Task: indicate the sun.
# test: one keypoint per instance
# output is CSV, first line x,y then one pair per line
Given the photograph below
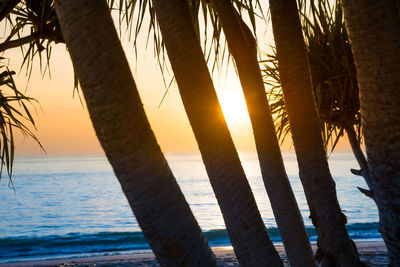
x,y
233,106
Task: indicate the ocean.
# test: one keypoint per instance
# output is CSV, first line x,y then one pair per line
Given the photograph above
x,y
73,206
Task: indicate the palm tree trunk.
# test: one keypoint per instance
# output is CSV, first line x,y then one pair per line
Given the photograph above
x,y
242,46
373,28
242,218
335,248
121,125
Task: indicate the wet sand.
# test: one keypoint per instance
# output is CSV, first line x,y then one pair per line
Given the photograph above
x,y
372,253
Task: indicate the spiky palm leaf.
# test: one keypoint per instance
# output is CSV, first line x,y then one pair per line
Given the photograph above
x,y
33,27
14,115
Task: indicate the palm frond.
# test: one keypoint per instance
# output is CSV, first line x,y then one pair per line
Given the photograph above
x,y
14,115
33,27
133,14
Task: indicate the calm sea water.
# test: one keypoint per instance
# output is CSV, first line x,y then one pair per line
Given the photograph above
x,y
67,206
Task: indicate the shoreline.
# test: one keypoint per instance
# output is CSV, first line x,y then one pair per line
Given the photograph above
x,y
373,253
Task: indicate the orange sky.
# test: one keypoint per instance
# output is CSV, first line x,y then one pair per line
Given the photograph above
x,y
64,126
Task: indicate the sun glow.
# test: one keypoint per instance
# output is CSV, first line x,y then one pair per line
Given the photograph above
x,y
233,106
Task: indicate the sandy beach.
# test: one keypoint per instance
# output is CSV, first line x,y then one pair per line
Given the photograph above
x,y
373,253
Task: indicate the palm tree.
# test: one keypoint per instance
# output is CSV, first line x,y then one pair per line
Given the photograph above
x,y
242,218
121,125
242,46
373,28
335,248
334,81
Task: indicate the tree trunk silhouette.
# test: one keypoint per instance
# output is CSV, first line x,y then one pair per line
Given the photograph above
x,y
335,248
242,218
242,46
373,28
6,6
121,125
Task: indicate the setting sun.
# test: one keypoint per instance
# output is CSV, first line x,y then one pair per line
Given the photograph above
x,y
233,106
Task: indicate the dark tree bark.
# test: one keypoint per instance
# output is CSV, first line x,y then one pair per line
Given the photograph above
x,y
374,31
335,248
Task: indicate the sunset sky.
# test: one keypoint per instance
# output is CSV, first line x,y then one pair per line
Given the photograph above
x,y
63,124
